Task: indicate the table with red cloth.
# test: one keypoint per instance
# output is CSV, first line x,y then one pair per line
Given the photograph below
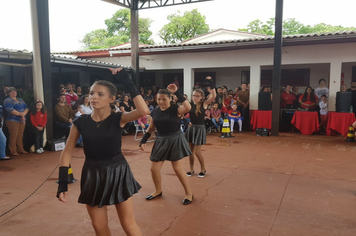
x,y
339,122
307,122
261,119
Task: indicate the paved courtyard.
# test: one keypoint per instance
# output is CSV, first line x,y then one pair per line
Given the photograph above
x,y
255,186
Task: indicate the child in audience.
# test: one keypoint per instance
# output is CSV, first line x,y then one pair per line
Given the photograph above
x,y
235,116
323,104
215,114
38,121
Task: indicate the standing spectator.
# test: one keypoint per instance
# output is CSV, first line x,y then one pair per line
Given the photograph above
x,y
287,97
297,94
216,116
323,104
63,117
243,100
15,119
308,99
38,116
175,81
321,90
219,97
2,137
343,88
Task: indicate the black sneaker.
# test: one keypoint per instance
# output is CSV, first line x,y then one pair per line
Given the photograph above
x,y
190,173
202,174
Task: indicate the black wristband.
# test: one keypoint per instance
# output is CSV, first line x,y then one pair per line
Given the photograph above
x,y
62,180
124,78
145,138
179,96
211,83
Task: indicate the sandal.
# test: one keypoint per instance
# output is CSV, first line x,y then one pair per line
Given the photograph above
x,y
6,158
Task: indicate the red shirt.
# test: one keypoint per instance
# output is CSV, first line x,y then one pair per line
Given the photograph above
x,y
308,101
287,99
39,119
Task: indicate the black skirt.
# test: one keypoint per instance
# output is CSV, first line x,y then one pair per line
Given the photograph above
x,y
107,182
196,134
170,147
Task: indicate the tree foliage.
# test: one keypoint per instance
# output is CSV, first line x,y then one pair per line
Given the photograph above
x,y
291,27
118,31
183,27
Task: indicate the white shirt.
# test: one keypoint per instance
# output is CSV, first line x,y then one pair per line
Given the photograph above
x,y
323,108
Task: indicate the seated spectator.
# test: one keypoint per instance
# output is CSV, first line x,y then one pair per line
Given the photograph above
x,y
150,107
142,91
79,91
287,97
125,106
208,123
15,120
215,115
71,96
343,88
323,104
63,117
308,99
144,122
148,96
117,106
84,108
235,116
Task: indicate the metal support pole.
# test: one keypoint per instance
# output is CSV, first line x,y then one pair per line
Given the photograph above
x,y
135,64
42,62
277,60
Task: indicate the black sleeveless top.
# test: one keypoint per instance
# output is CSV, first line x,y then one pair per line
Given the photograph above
x,y
166,121
103,142
197,119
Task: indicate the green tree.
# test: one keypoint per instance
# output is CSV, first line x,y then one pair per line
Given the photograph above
x,y
291,27
118,32
183,27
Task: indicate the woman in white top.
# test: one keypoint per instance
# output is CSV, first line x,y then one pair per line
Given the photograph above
x,y
85,108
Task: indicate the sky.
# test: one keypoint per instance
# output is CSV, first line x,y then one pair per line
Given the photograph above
x,y
70,20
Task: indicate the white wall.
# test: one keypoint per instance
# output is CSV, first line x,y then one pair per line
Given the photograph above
x,y
228,64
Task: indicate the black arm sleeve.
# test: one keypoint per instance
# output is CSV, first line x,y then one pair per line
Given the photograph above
x,y
179,96
62,180
145,138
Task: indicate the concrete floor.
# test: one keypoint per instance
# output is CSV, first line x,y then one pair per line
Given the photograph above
x,y
288,185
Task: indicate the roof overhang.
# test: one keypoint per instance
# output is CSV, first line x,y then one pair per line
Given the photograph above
x,y
24,59
256,42
147,4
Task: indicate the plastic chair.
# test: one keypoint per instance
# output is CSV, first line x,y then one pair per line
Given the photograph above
x,y
139,129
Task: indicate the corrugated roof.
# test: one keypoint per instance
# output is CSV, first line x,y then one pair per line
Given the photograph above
x,y
241,42
14,54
